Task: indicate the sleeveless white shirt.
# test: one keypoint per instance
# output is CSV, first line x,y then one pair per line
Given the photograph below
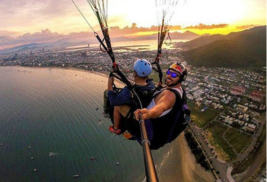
x,y
153,104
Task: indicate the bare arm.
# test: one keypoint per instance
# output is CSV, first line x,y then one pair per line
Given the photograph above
x,y
164,102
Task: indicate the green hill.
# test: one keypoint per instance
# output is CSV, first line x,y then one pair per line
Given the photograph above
x,y
240,49
200,41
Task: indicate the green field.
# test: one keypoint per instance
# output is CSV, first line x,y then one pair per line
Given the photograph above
x,y
258,148
237,139
217,130
201,118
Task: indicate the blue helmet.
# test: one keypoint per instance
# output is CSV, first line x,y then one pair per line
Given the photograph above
x,y
142,67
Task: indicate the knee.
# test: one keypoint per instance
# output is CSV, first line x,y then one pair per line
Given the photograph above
x,y
116,108
123,110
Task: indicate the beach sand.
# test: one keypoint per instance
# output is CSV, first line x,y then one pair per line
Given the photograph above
x,y
180,165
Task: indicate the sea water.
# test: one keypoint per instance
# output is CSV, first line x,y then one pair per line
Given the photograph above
x,y
52,128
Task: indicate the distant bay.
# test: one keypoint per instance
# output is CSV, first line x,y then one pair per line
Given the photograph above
x,y
137,45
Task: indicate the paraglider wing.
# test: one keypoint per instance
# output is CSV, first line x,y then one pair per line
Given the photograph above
x,y
165,11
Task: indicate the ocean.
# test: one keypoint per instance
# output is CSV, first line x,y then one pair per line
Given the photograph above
x,y
52,127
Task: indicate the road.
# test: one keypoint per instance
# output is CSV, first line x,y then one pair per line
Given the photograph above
x,y
223,167
261,158
219,165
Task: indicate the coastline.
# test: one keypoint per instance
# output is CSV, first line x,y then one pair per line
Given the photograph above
x,y
181,165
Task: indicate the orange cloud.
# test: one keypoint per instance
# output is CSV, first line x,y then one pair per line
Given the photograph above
x,y
134,30
245,26
202,26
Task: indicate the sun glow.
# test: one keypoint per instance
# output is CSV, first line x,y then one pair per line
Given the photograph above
x,y
192,13
64,18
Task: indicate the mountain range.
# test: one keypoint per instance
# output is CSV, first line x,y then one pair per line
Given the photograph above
x,y
49,40
240,49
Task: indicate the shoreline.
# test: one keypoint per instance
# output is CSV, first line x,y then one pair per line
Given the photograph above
x,y
181,165
106,75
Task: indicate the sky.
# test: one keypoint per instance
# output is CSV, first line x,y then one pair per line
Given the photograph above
x,y
28,17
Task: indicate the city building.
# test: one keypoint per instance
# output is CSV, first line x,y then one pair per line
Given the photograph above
x,y
237,90
241,108
256,95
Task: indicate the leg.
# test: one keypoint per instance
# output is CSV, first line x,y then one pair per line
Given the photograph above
x,y
123,110
119,111
116,117
115,128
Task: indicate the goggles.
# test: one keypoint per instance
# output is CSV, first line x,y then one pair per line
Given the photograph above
x,y
173,74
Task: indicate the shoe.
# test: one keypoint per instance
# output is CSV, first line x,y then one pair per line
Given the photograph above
x,y
128,136
112,130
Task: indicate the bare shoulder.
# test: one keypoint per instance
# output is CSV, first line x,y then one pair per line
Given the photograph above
x,y
166,95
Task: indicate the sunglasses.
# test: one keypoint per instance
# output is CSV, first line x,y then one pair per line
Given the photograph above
x,y
173,75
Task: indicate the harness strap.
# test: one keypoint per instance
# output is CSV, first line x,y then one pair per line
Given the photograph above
x,y
183,100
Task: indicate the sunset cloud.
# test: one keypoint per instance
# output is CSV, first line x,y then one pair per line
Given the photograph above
x,y
245,27
135,30
132,32
9,33
38,37
47,36
30,16
202,26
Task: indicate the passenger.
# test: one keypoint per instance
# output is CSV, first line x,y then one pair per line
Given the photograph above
x,y
163,123
123,101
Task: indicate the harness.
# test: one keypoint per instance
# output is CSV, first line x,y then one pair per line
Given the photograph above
x,y
140,99
165,129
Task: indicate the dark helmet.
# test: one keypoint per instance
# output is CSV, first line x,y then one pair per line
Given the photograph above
x,y
181,69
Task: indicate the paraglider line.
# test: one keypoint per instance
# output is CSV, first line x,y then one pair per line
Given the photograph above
x,y
83,16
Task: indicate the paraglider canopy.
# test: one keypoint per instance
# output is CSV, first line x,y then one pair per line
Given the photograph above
x,y
165,10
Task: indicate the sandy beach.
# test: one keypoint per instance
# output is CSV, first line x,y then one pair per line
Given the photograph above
x,y
181,165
